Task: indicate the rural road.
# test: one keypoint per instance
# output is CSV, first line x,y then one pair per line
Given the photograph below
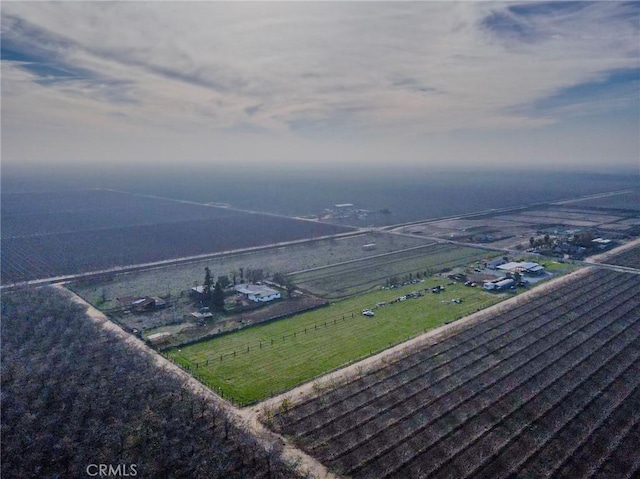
x,y
356,232
303,391
508,209
267,438
335,377
169,262
250,416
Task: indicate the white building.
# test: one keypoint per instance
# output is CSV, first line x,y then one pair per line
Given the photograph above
x,y
522,267
257,292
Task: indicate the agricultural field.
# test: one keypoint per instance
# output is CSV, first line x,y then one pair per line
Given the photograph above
x,y
629,258
512,229
75,392
343,280
172,280
549,387
52,234
32,214
629,200
257,362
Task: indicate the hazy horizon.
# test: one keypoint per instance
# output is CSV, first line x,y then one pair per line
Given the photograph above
x,y
409,194
297,88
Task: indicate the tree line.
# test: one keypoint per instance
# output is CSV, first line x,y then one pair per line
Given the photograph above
x,y
213,292
74,395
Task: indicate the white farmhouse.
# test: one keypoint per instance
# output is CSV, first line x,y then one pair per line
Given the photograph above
x,y
257,292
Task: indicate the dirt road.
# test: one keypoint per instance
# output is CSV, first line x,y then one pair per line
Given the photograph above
x,y
342,375
250,416
602,258
305,463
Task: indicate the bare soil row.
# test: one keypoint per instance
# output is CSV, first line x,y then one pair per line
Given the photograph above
x,y
524,389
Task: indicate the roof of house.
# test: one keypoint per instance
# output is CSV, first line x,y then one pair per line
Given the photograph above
x,y
522,265
256,289
126,299
158,337
497,261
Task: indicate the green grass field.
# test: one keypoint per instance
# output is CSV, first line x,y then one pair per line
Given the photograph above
x,y
328,343
556,266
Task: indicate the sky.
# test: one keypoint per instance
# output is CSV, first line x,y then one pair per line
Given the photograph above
x,y
304,85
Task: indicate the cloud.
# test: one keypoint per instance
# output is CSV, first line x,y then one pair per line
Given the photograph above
x,y
316,70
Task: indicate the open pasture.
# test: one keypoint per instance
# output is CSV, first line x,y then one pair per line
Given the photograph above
x,y
54,234
344,280
548,388
267,359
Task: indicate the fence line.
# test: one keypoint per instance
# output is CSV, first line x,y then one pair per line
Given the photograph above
x,y
271,341
209,336
216,390
229,397
283,337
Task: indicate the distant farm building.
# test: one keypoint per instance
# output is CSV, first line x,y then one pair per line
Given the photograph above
x,y
125,301
495,263
159,338
522,267
602,243
158,302
146,303
499,285
197,292
201,316
257,292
